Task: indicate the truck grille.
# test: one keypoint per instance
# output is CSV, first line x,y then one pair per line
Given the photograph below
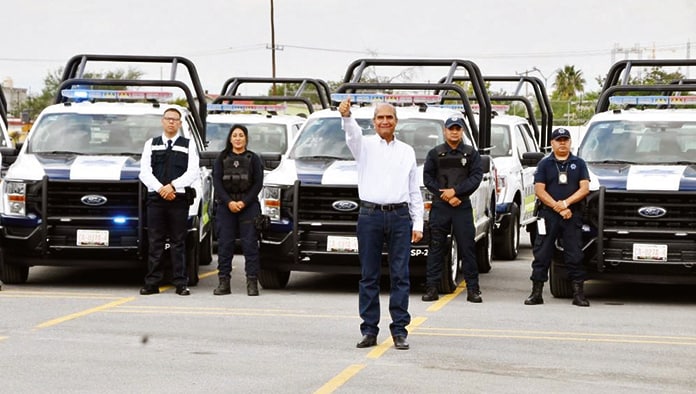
x,y
316,203
621,210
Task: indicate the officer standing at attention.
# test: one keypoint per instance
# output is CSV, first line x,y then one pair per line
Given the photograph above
x,y
452,171
238,179
169,164
391,212
561,182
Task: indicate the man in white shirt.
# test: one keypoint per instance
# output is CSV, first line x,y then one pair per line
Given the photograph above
x,y
168,165
391,212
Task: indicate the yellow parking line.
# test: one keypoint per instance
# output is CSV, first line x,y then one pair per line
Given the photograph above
x,y
444,300
338,380
86,312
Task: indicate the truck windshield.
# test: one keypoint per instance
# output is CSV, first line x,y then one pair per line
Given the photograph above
x,y
263,137
639,142
93,134
325,138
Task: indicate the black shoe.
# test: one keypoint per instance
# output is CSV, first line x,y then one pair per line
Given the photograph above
x,y
223,288
474,296
182,290
367,341
148,289
252,287
400,342
430,294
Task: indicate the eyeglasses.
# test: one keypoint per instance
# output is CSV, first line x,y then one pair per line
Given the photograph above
x,y
173,120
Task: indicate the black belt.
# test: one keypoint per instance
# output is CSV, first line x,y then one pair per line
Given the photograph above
x,y
383,207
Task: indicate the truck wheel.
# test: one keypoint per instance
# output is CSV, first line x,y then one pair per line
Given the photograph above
x,y
450,269
484,250
560,285
192,260
508,246
11,273
207,250
273,279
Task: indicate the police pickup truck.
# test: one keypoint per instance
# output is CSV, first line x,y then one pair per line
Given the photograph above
x,y
273,121
312,197
640,148
73,196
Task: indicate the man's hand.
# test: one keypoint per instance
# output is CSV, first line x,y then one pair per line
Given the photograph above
x,y
455,202
167,192
566,214
416,236
446,194
344,107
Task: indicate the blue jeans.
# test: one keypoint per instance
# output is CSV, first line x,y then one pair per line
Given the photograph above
x,y
375,227
460,220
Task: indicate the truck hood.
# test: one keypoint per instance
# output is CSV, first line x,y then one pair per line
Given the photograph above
x,y
648,177
318,172
34,167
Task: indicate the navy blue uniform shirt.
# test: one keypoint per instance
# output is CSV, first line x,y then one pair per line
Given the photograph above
x,y
548,171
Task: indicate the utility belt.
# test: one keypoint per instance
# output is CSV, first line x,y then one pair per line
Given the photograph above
x,y
383,207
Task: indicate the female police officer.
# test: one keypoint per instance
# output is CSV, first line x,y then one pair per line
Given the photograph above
x,y
238,179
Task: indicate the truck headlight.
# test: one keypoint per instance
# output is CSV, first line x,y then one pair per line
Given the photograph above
x,y
15,198
270,202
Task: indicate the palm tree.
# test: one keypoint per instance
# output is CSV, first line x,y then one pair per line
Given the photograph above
x,y
568,82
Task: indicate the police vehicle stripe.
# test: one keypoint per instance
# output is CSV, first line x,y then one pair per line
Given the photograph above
x,y
654,177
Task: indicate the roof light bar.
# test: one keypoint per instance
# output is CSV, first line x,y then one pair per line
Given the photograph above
x,y
387,98
247,107
88,94
653,100
475,107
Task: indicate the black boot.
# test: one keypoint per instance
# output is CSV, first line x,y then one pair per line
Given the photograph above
x,y
430,294
473,295
579,294
252,287
535,298
223,288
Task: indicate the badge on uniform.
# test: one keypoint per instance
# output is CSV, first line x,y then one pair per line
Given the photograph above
x,y
562,178
463,161
235,163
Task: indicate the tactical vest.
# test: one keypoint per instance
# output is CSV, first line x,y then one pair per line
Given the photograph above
x,y
168,165
452,165
237,174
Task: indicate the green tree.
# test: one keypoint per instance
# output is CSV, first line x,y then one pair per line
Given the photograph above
x,y
34,105
569,82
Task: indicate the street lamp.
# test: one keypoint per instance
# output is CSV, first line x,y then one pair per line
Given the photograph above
x,y
546,80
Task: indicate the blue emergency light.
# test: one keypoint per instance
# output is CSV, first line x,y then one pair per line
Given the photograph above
x,y
653,100
387,98
97,94
247,107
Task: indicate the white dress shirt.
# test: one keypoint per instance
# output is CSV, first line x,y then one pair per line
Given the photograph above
x,y
186,179
387,172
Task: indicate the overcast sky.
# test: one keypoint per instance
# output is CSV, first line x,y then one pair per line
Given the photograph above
x,y
319,38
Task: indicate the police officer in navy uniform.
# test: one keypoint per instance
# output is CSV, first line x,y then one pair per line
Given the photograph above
x,y
561,182
452,171
169,165
238,179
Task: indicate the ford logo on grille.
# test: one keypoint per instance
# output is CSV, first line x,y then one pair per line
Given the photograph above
x,y
652,212
93,200
345,205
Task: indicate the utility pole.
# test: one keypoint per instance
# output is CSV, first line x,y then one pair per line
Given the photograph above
x,y
273,48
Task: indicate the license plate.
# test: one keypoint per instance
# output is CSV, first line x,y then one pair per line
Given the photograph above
x,y
92,237
336,243
649,252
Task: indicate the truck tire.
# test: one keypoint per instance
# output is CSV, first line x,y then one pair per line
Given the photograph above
x,y
484,250
11,273
560,285
450,268
273,279
508,244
